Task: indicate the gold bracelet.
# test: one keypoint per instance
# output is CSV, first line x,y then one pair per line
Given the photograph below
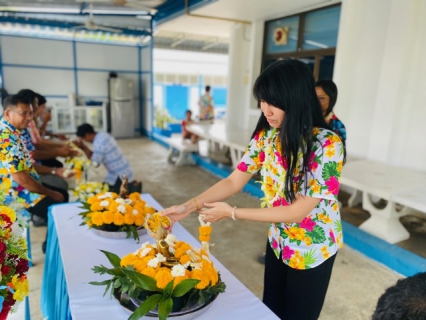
x,y
197,207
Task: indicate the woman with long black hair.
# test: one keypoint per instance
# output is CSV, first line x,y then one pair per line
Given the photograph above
x,y
300,162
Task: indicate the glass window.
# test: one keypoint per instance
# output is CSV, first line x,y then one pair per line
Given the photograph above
x,y
326,67
321,29
309,61
282,35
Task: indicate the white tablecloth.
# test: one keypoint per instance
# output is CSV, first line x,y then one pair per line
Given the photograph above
x,y
80,252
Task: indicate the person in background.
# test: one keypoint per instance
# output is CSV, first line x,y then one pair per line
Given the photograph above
x,y
45,151
406,300
44,116
206,105
106,152
17,172
185,133
327,94
300,162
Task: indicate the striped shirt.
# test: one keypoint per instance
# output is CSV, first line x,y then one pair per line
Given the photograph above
x,y
107,152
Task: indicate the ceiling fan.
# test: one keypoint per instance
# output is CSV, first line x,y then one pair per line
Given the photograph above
x,y
91,25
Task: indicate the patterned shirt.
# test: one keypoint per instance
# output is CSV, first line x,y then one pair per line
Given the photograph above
x,y
206,107
15,158
336,125
107,152
307,244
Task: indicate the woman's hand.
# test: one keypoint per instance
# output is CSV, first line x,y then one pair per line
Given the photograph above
x,y
176,213
216,211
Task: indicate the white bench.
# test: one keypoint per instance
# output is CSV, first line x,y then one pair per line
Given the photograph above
x,y
394,184
180,151
220,139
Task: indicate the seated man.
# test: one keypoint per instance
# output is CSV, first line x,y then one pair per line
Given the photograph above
x,y
107,152
406,300
17,172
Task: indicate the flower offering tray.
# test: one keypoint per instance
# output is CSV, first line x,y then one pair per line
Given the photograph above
x,y
116,234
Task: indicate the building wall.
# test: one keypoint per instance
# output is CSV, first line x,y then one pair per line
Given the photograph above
x,y
380,71
57,68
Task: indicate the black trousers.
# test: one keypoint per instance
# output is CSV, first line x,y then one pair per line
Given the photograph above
x,y
40,209
295,294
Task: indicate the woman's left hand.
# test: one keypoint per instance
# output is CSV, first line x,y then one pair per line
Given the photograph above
x,y
216,211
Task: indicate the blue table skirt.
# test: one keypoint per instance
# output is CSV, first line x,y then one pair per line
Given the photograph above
x,y
54,293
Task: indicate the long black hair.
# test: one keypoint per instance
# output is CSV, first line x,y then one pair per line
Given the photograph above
x,y
330,89
289,85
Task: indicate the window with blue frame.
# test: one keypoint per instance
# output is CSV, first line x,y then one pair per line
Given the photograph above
x,y
310,37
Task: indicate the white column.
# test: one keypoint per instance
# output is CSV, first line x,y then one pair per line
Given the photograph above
x,y
238,76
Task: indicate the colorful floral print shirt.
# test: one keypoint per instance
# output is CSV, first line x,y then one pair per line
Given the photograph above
x,y
14,158
309,243
336,125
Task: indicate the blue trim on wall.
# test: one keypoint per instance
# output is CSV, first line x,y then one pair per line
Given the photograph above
x,y
69,40
1,65
74,56
32,66
140,89
151,46
392,256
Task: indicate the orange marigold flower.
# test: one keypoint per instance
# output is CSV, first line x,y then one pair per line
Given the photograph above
x,y
150,272
113,206
204,238
97,219
139,206
200,275
135,197
139,220
129,219
95,207
107,217
184,259
163,277
181,250
92,200
118,219
205,230
149,209
127,260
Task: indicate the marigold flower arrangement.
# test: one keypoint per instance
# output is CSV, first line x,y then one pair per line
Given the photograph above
x,y
108,211
13,255
83,191
78,165
165,277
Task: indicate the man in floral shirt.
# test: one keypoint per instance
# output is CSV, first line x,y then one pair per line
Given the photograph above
x,y
17,173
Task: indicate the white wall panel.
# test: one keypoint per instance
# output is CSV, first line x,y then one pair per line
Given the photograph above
x,y
44,81
39,52
93,83
107,57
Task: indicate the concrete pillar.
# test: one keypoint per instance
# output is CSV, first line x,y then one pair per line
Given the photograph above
x,y
380,71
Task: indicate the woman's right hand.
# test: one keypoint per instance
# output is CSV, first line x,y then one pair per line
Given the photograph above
x,y
176,213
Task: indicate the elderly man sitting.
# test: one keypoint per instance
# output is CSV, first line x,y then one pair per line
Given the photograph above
x,y
17,172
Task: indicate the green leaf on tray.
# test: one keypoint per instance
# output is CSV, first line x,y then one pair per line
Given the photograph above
x,y
164,308
148,305
141,280
184,286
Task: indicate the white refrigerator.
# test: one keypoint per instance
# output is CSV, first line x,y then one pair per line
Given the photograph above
x,y
122,108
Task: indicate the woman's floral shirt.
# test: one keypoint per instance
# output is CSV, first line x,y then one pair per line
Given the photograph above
x,y
14,157
309,243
